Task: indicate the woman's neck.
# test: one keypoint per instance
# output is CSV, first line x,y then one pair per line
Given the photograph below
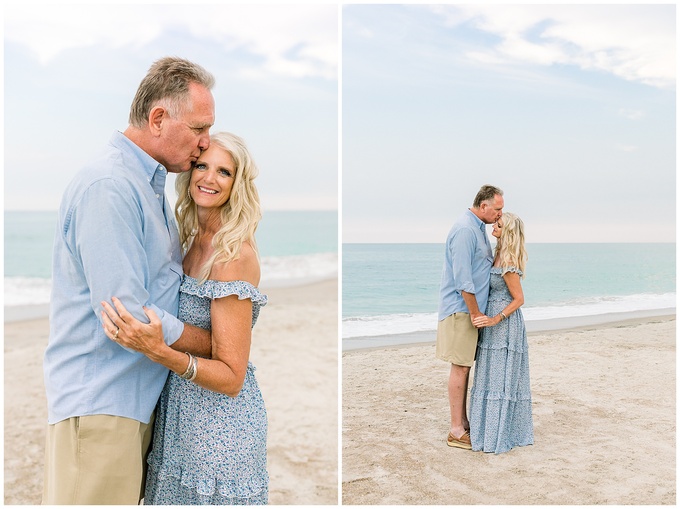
x,y
209,222
497,254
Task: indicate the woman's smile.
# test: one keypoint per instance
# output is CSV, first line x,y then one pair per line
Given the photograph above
x,y
213,177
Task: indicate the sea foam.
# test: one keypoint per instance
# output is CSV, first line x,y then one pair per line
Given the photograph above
x,y
385,325
276,271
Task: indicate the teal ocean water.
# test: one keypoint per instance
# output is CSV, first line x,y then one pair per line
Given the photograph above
x,y
394,288
295,246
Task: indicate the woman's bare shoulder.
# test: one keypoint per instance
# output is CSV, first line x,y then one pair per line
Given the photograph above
x,y
245,268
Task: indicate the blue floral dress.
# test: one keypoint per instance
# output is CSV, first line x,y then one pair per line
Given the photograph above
x,y
500,400
209,448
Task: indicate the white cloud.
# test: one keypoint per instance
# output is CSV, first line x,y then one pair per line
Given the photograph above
x,y
296,41
634,42
51,29
517,48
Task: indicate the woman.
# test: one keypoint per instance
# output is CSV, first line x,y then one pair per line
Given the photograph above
x,y
209,444
500,400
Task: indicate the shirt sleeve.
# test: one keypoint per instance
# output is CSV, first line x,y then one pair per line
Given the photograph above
x,y
104,232
462,246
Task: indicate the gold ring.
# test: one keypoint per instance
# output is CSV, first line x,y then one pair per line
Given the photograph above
x,y
115,336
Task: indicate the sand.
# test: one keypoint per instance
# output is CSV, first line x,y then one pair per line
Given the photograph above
x,y
604,424
295,350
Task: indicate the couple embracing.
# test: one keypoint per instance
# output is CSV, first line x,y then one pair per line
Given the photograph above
x,y
480,323
151,316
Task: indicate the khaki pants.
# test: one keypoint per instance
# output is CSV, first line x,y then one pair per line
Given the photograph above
x,y
96,459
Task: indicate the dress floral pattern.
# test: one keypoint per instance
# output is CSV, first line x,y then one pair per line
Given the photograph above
x,y
500,399
209,448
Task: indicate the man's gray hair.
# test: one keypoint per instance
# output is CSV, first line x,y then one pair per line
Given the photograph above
x,y
486,193
167,84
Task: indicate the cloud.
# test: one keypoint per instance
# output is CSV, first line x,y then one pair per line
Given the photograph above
x,y
52,29
633,42
295,41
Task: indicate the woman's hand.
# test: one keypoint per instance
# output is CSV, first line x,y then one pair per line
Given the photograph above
x,y
485,321
123,328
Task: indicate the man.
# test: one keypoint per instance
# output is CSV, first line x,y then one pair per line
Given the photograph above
x,y
463,295
116,236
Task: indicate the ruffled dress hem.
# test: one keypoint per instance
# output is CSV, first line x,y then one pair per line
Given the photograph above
x,y
234,491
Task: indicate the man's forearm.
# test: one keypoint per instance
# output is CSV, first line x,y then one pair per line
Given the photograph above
x,y
471,303
194,340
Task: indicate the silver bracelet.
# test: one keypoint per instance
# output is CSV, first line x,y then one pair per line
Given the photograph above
x,y
194,366
191,368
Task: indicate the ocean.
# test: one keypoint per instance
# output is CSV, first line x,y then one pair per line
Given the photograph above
x,y
392,289
295,247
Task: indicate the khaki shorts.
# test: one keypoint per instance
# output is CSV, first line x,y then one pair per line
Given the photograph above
x,y
457,340
96,459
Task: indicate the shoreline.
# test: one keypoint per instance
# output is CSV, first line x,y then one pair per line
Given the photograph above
x,y
25,312
533,327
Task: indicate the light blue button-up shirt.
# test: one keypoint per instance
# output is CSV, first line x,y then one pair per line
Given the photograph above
x,y
116,236
467,266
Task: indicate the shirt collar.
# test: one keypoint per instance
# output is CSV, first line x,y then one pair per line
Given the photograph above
x,y
480,224
152,168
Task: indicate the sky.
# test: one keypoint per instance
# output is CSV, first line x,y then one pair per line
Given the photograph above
x,y
570,110
71,71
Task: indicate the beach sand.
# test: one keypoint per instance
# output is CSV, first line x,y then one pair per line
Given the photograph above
x,y
604,424
295,351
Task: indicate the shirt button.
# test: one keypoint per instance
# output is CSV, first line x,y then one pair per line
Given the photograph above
x,y
158,196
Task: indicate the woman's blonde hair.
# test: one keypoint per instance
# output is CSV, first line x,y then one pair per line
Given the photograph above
x,y
510,247
239,215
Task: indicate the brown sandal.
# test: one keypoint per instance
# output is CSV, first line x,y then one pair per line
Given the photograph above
x,y
463,442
